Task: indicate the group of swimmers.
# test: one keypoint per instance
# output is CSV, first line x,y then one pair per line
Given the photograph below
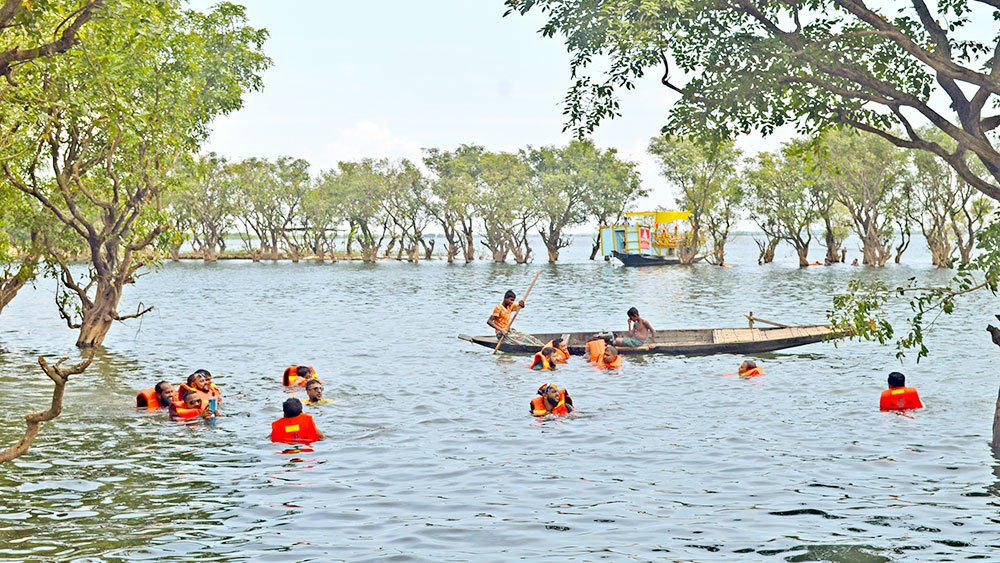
x,y
603,353
200,398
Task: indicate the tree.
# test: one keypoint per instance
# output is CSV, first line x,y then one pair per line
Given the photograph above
x,y
706,176
503,204
292,184
781,190
406,194
257,206
866,173
453,196
206,196
567,180
31,30
360,188
760,65
112,119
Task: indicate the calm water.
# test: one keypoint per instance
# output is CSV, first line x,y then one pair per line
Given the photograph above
x,y
433,456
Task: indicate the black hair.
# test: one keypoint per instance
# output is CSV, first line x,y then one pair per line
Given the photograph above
x,y
303,371
633,312
192,377
292,407
548,351
750,364
896,379
556,341
510,293
311,382
186,393
204,372
611,348
159,386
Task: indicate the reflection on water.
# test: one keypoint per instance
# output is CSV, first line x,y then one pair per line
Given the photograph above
x,y
432,452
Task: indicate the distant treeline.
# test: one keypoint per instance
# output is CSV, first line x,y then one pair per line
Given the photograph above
x,y
384,208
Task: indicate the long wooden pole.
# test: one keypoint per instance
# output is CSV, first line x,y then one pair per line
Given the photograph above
x,y
525,298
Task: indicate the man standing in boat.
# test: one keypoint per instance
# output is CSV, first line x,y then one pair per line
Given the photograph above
x,y
500,321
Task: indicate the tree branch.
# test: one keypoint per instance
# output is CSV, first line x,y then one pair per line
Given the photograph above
x,y
59,376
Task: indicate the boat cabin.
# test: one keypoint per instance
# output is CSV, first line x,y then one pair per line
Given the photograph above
x,y
656,234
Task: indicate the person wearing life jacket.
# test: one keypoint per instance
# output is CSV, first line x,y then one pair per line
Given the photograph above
x,y
314,389
295,427
610,359
196,384
191,406
562,349
749,369
595,349
899,397
544,359
209,386
157,397
551,400
298,376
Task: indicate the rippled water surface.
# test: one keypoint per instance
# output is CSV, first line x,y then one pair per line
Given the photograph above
x,y
432,454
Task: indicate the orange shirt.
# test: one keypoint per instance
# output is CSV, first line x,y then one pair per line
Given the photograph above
x,y
502,315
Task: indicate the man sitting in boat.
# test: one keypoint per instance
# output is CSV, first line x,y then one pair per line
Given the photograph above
x,y
551,400
898,396
640,332
562,350
500,321
749,369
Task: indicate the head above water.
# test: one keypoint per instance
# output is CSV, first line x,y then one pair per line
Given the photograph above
x,y
192,400
314,389
206,374
304,371
164,392
558,342
896,379
747,365
633,313
292,407
610,353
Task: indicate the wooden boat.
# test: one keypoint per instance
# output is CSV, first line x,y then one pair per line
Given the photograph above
x,y
651,238
688,342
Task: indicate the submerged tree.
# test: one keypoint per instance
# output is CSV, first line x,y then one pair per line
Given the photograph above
x,y
706,177
503,204
781,190
453,196
206,195
106,128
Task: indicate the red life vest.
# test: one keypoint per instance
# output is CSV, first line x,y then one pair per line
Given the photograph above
x,y
147,399
561,357
540,408
899,398
540,359
617,363
595,348
291,377
752,372
180,411
296,430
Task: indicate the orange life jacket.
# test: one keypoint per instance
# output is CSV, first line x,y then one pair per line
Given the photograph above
x,y
214,391
617,363
540,408
561,357
754,371
296,430
542,360
595,349
147,399
184,388
899,398
290,377
180,411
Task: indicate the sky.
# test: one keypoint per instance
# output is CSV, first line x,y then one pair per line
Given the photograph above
x,y
386,78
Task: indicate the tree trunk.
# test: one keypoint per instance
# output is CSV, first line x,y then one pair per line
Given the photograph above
x,y
766,248
175,252
596,247
803,254
553,253
470,247
208,253
97,318
904,243
10,286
